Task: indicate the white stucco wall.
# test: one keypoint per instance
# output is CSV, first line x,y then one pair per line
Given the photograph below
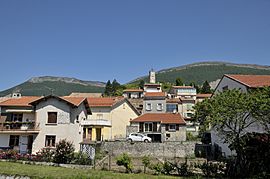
x,y
66,128
231,85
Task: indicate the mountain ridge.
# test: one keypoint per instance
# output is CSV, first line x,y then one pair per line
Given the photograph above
x,y
208,64
195,72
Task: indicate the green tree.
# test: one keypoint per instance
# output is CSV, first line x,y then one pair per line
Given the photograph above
x,y
261,107
179,82
64,151
141,84
108,89
229,114
198,89
206,87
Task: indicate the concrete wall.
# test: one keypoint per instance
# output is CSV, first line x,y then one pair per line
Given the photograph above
x,y
67,126
177,135
140,149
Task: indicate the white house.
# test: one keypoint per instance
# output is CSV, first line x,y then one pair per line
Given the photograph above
x,y
29,124
243,83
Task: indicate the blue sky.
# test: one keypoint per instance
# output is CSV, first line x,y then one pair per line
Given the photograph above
x,y
101,40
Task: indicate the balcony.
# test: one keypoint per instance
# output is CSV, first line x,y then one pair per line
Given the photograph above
x,y
96,122
18,127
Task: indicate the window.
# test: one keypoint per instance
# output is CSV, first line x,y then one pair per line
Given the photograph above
x,y
172,107
140,127
50,141
148,107
172,127
148,127
99,116
52,117
225,88
159,107
14,140
17,117
189,115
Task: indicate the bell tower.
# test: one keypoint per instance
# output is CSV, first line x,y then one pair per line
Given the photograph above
x,y
152,76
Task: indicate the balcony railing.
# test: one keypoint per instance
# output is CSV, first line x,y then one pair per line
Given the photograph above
x,y
96,122
18,126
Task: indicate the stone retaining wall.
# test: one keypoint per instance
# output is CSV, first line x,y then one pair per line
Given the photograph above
x,y
140,149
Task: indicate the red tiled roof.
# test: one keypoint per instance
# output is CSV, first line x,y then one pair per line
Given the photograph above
x,y
173,100
164,118
21,101
133,90
74,100
154,94
207,95
104,102
185,87
252,81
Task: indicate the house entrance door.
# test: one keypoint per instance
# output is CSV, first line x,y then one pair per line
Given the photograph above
x,y
23,144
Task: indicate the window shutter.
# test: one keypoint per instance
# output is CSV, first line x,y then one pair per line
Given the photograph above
x,y
167,127
177,127
140,127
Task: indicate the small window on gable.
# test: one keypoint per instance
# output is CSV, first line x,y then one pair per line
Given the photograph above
x,y
52,117
225,88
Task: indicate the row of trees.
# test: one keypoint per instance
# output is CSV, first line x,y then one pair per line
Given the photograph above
x,y
116,89
231,114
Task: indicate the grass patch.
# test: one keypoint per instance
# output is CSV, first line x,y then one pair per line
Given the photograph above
x,y
40,171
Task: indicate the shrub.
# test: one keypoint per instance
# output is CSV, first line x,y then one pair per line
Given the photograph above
x,y
81,159
45,155
146,162
211,169
64,152
191,137
125,160
167,168
158,168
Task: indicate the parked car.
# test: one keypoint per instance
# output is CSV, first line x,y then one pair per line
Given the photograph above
x,y
137,137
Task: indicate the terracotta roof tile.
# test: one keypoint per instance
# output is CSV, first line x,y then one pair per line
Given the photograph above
x,y
133,90
104,102
164,118
21,101
154,94
252,81
173,100
74,100
207,95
